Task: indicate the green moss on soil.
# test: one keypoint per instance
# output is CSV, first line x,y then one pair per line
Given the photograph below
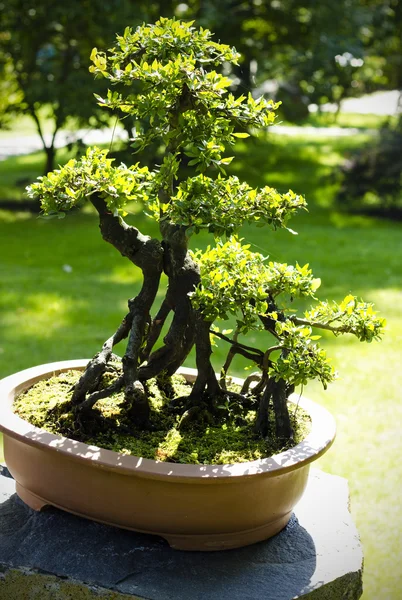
x,y
231,440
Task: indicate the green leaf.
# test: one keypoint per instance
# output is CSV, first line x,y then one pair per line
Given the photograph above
x,y
93,54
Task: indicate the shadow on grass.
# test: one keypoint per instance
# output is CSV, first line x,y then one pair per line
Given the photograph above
x,y
64,291
304,164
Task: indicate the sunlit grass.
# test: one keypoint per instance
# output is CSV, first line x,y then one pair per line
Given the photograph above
x,y
16,172
25,126
64,291
355,120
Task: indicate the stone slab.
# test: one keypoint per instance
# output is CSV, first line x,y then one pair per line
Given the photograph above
x,y
53,555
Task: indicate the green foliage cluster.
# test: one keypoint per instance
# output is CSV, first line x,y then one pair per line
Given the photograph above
x,y
301,359
237,281
349,316
180,98
242,283
68,186
223,205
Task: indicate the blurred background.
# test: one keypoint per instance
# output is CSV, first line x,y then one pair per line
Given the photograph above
x,y
337,69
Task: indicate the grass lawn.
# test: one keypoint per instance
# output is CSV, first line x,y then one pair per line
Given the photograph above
x,y
24,125
17,172
64,291
357,120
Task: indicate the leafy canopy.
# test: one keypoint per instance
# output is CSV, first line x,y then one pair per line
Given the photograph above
x,y
76,181
168,68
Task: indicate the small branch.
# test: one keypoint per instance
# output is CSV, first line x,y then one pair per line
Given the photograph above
x,y
319,325
237,344
259,388
249,380
156,328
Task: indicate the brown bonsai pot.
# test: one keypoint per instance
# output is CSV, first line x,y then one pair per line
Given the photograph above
x,y
194,507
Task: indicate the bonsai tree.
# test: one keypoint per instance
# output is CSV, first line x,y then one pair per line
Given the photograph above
x,y
165,76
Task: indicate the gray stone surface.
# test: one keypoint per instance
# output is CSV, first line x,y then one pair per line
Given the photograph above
x,y
317,556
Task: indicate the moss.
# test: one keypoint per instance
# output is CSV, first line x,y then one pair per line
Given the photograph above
x,y
26,584
230,439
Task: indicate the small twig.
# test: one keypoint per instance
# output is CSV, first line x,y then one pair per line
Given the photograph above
x,y
235,343
319,325
114,130
248,381
298,402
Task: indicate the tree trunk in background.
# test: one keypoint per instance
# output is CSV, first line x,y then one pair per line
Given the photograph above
x,y
50,157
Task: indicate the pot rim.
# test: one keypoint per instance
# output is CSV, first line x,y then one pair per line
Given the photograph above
x,y
317,442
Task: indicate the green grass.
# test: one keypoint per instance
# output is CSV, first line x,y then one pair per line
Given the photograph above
x,y
24,125
48,313
328,119
16,172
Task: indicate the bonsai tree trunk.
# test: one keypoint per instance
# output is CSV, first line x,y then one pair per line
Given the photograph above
x,y
280,395
188,327
147,254
275,393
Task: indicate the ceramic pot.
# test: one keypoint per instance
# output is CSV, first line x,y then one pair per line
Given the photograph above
x,y
194,507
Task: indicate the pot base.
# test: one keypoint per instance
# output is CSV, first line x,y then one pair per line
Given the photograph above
x,y
30,499
227,541
197,542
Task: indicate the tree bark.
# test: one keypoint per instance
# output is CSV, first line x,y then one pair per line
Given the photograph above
x,y
147,254
183,276
282,420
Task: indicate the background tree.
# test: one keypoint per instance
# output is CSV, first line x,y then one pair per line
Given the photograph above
x,y
314,54
294,42
382,39
44,50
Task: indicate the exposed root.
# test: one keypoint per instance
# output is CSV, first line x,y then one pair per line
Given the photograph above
x,y
102,361
189,416
111,389
248,381
138,405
